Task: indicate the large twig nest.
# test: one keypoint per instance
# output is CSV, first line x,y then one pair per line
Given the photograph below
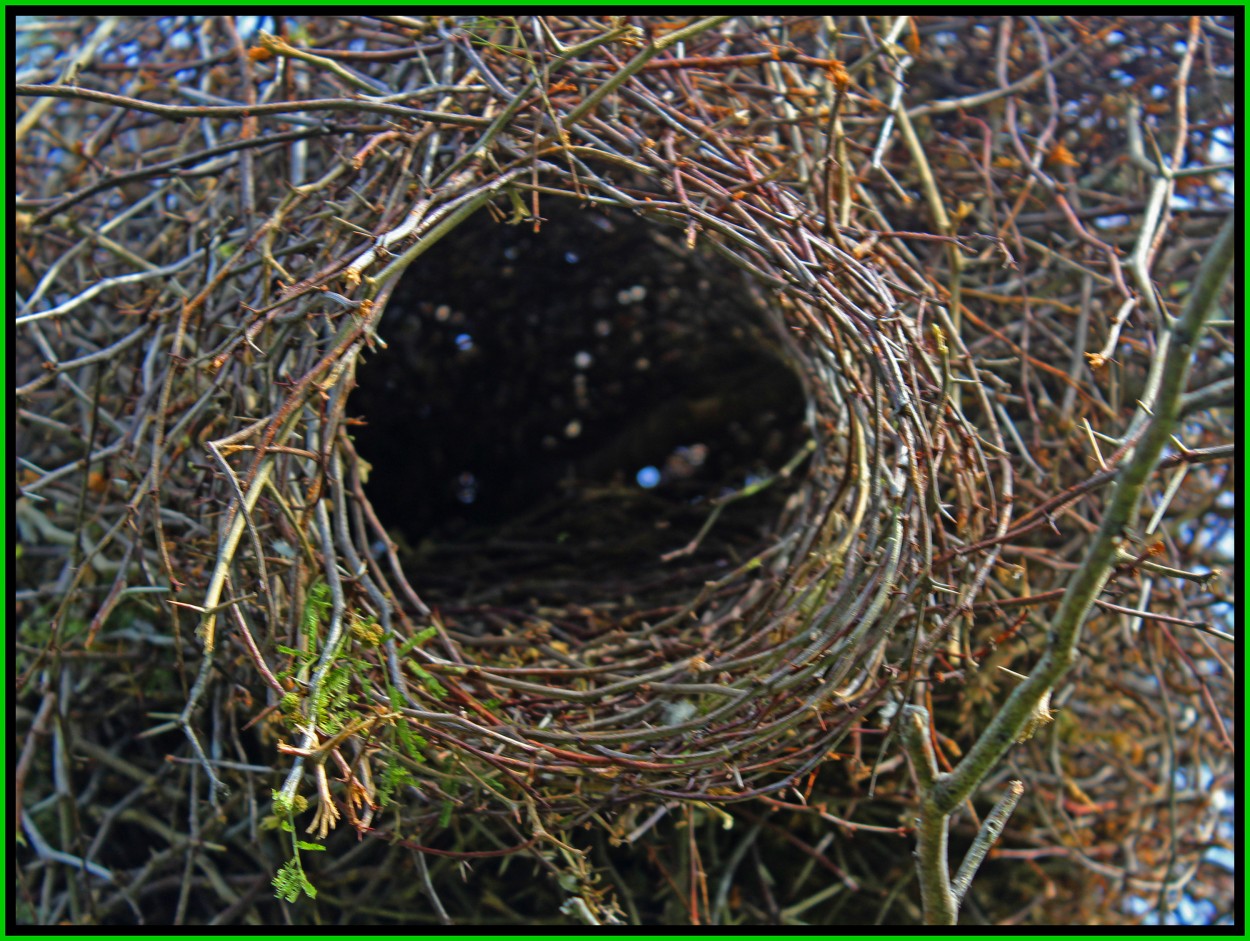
x,y
735,685
200,298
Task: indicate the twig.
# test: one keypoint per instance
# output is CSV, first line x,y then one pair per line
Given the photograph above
x,y
944,795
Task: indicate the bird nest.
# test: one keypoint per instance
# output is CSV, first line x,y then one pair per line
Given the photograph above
x,y
286,219
245,489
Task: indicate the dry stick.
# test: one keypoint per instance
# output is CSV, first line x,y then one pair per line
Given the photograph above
x,y
187,163
750,490
70,73
183,112
1039,514
942,793
329,655
986,837
630,68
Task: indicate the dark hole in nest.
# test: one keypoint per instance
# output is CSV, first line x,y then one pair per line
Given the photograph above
x,y
555,410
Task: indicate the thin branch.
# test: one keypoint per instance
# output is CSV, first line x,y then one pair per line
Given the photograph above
x,y
1102,554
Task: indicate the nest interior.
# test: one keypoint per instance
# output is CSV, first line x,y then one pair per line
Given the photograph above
x,y
574,400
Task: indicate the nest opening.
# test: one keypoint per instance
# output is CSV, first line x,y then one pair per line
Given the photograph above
x,y
564,404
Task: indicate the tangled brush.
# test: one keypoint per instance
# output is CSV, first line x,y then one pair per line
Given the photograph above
x,y
219,237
